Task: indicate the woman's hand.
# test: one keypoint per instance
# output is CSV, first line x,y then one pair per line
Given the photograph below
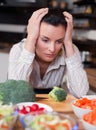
x,y
33,28
68,36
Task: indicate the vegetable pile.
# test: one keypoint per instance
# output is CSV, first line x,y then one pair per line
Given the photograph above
x,y
6,110
86,103
49,122
58,94
29,109
7,118
90,117
16,91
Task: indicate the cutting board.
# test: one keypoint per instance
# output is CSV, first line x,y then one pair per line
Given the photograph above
x,y
63,106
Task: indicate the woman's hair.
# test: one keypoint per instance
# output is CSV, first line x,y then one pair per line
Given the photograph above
x,y
55,18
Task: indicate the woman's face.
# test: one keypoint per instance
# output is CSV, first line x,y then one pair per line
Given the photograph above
x,y
50,41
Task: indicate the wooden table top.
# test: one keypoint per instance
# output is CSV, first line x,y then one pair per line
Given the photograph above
x,y
91,71
61,107
91,74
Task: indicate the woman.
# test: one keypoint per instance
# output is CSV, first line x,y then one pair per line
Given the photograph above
x,y
47,54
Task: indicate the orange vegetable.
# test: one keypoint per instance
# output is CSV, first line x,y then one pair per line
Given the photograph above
x,y
86,103
50,126
90,117
4,127
64,125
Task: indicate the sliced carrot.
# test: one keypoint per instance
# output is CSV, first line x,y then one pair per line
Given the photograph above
x,y
65,125
86,103
4,127
51,126
90,117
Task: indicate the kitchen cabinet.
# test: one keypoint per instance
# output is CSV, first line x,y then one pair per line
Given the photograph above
x,y
84,14
14,18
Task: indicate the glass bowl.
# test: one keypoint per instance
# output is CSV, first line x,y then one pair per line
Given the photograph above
x,y
7,122
49,121
8,116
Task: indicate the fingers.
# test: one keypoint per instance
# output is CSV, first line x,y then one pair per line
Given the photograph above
x,y
40,11
68,17
34,24
69,29
39,14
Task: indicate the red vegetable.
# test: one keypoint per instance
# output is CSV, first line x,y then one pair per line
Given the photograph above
x,y
29,109
41,109
35,107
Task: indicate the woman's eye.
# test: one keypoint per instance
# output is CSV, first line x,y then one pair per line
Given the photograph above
x,y
59,42
45,40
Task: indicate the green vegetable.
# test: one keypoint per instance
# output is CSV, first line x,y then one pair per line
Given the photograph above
x,y
40,122
6,110
58,94
16,91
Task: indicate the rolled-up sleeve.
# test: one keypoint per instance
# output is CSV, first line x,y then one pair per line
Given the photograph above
x,y
77,81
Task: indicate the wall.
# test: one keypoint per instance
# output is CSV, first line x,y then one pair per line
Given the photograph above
x,y
3,66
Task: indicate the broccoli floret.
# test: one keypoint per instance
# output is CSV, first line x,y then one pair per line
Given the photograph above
x,y
58,94
16,91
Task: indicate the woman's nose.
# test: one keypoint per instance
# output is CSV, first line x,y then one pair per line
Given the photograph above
x,y
52,47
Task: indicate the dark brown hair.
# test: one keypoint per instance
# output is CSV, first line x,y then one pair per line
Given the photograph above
x,y
55,17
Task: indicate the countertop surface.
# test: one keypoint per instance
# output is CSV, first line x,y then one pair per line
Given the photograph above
x,y
61,107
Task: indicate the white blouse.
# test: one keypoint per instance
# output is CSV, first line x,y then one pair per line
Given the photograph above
x,y
23,66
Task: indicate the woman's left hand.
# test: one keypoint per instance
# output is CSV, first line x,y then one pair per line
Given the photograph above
x,y
68,35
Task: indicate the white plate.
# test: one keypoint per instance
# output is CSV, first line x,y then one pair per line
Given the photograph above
x,y
47,108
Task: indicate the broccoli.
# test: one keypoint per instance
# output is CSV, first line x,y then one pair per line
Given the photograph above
x,y
58,94
16,91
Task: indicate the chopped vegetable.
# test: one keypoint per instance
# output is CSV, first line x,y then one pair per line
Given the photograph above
x,y
49,122
86,103
34,108
58,94
6,110
7,117
90,117
16,91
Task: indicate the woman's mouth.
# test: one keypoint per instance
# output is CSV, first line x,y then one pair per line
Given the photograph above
x,y
50,55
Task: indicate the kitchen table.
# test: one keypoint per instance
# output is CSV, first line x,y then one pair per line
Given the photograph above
x,y
61,107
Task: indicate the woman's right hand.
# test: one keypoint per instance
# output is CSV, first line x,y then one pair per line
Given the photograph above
x,y
33,28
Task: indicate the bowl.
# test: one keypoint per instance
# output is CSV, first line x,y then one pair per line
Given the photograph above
x,y
84,105
8,116
49,121
89,120
29,107
79,112
8,122
88,126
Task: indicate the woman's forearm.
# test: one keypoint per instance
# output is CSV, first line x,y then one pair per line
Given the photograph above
x,y
20,64
77,81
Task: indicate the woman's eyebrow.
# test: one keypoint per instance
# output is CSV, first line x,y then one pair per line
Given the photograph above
x,y
44,37
60,39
